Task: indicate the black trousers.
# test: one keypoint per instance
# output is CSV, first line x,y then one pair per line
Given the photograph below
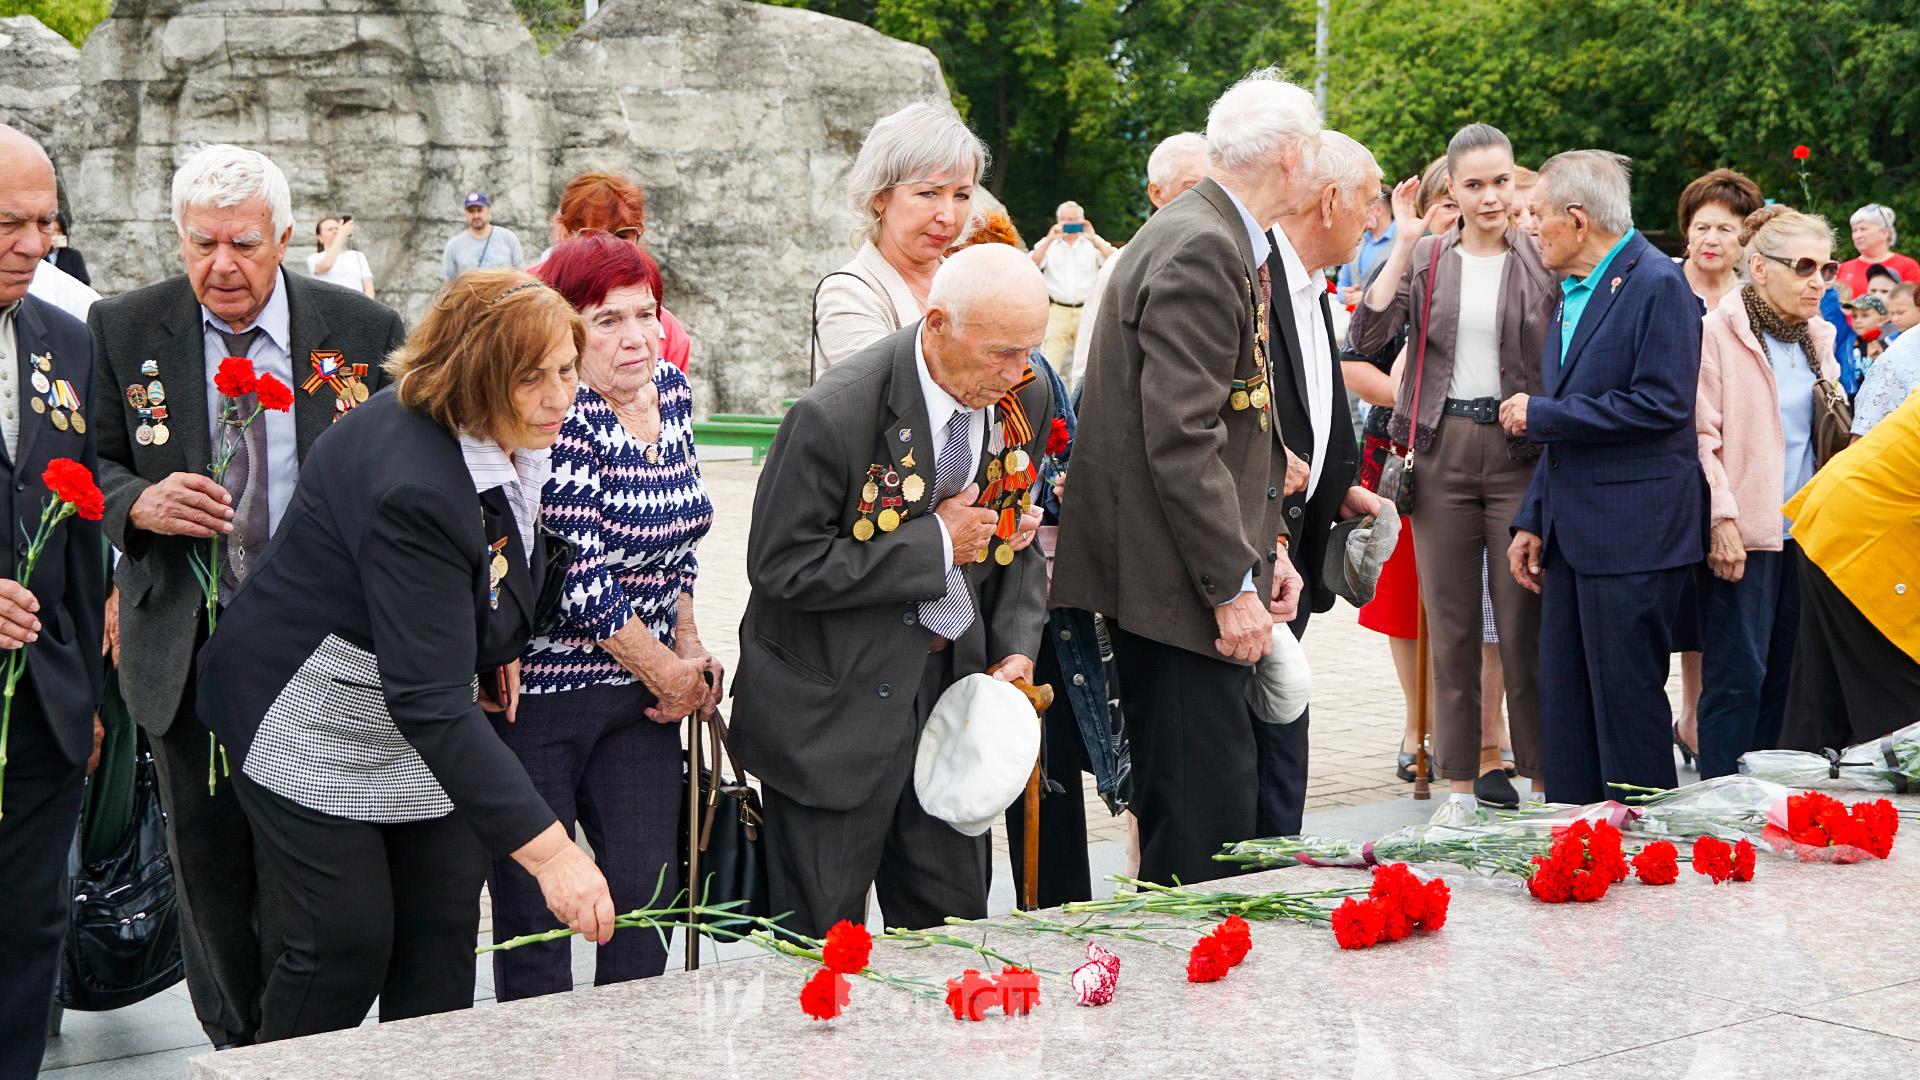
x,y
820,862
1749,628
1282,754
596,758
1064,873
1605,642
387,911
39,811
227,931
1850,684
1195,784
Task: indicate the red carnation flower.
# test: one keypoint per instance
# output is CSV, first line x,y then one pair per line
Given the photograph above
x,y
72,482
1657,864
1438,896
824,995
1801,153
1603,850
1590,885
1552,880
1879,823
1743,858
847,948
1236,937
273,394
235,379
1057,437
1357,924
1207,961
1713,857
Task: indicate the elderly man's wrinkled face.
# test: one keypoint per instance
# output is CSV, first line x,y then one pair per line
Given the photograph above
x,y
27,205
232,257
978,360
1560,235
1349,217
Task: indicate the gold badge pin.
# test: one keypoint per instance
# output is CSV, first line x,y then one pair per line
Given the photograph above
x,y
79,424
863,530
870,492
914,488
1258,398
59,419
499,566
889,519
39,404
907,462
161,433
1003,554
359,392
1239,401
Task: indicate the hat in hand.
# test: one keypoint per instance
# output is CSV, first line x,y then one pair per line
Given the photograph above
x,y
1282,682
976,754
1356,552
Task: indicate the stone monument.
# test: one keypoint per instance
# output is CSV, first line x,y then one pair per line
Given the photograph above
x,y
740,121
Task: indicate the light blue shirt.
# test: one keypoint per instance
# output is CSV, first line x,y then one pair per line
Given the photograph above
x,y
271,353
1262,248
1372,250
1575,292
1794,381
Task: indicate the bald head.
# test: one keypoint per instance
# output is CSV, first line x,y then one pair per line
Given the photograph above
x,y
28,202
986,311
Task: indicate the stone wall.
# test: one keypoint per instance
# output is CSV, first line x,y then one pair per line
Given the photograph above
x,y
740,121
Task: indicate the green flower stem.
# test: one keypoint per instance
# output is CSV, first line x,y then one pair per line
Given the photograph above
x,y
1085,930
52,514
1155,899
921,939
209,573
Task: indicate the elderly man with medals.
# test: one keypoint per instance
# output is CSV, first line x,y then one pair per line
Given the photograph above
x,y
886,563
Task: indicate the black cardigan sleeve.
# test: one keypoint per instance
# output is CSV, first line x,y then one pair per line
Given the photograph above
x,y
419,595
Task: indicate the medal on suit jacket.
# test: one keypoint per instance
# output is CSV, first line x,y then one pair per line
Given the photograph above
x,y
869,499
330,369
148,402
496,570
1010,470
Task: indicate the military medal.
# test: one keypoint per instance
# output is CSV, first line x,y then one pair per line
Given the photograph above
x,y
137,395
869,494
1010,473
913,488
1003,554
156,392
59,419
65,397
1240,401
39,404
40,382
496,571
43,361
161,433
906,435
143,434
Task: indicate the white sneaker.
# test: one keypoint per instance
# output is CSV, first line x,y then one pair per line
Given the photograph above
x,y
1454,813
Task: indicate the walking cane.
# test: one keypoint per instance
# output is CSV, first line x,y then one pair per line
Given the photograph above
x,y
693,839
1422,700
1041,698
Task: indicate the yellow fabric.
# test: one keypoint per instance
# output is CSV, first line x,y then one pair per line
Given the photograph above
x,y
1859,521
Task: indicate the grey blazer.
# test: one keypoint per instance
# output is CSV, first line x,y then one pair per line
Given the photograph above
x,y
1175,495
831,649
160,600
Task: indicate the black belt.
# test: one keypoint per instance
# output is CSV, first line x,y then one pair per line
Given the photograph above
x,y
1484,410
1057,303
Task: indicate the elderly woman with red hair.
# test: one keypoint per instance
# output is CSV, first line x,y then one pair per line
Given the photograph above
x,y
603,693
613,204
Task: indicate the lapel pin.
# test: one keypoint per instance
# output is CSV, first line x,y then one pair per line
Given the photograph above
x,y
1615,287
908,460
150,368
906,435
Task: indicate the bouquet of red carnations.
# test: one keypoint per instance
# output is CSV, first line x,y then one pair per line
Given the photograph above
x,y
1815,827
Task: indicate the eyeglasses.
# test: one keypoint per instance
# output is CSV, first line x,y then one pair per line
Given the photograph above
x,y
631,233
1804,267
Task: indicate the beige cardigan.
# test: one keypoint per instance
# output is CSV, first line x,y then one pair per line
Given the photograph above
x,y
857,305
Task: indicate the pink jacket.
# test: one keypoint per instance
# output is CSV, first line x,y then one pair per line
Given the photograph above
x,y
1737,415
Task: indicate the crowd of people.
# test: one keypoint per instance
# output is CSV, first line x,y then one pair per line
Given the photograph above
x,y
381,669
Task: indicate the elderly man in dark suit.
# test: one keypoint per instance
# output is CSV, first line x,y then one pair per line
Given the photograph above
x,y
881,573
1310,399
46,364
1616,515
158,417
1172,521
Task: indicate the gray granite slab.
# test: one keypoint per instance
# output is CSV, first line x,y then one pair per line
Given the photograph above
x,y
1679,974
1894,1011
1767,1049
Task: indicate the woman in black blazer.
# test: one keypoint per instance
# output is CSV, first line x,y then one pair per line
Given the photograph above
x,y
347,677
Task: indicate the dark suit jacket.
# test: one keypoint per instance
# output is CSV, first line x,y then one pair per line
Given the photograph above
x,y
1619,489
1171,486
831,646
1308,521
159,597
64,670
370,612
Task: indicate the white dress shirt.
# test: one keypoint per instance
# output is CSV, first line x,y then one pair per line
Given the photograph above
x,y
271,354
1316,353
1262,247
1069,269
524,475
940,409
10,379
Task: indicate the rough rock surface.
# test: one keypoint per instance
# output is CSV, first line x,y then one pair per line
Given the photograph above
x,y
740,121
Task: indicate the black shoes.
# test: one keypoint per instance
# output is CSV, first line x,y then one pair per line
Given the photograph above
x,y
1405,769
1494,789
1686,752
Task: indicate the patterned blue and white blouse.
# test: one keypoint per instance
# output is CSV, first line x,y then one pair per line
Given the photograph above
x,y
635,524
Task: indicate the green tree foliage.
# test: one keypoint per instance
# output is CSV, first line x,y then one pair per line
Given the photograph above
x,y
71,19
549,21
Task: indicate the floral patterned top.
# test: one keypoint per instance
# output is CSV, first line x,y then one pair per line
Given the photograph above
x,y
635,513
1888,383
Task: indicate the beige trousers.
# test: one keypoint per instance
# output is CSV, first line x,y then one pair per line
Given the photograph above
x,y
1063,325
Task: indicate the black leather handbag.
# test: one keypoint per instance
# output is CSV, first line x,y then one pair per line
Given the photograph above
x,y
123,937
730,833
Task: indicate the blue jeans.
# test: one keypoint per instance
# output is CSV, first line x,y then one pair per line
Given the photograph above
x,y
1750,629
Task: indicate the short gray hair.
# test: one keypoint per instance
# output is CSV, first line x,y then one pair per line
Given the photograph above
x,y
1879,215
922,141
1597,180
984,272
1164,163
1259,118
1344,163
222,176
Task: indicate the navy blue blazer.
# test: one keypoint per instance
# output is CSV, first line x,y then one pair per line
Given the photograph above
x,y
1619,488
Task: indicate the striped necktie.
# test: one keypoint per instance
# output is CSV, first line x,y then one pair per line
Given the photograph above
x,y
950,615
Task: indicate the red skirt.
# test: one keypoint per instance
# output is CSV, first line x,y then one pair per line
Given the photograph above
x,y
1392,611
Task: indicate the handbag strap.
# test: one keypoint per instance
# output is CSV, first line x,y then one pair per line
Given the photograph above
x,y
1420,357
813,319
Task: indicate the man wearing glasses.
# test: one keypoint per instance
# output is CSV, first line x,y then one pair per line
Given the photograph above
x,y
1615,518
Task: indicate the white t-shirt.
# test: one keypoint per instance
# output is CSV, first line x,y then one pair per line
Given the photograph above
x,y
349,270
1476,346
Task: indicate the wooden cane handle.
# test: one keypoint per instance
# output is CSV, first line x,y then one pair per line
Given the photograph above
x,y
1040,696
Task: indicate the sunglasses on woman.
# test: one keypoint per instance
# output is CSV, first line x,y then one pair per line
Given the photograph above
x,y
1804,267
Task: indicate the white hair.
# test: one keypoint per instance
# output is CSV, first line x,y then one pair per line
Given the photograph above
x,y
1879,215
985,273
223,176
1597,180
920,142
1345,164
1260,118
1066,206
1163,165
